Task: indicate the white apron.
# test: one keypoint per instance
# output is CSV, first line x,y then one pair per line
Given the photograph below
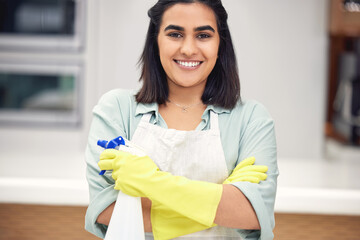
x,y
197,155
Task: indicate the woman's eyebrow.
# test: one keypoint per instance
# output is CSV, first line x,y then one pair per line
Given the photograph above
x,y
174,27
203,28
197,29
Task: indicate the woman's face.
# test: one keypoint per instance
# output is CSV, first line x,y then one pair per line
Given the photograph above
x,y
188,44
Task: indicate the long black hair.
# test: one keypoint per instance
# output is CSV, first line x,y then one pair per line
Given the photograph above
x,y
222,86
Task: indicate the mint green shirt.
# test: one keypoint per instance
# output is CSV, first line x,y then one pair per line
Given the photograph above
x,y
247,130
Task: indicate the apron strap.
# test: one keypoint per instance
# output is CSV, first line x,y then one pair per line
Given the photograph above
x,y
214,121
146,117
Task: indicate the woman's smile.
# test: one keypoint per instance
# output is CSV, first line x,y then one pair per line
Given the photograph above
x,y
188,65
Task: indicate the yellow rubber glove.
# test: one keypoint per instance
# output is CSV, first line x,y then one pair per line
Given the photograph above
x,y
170,224
140,177
246,171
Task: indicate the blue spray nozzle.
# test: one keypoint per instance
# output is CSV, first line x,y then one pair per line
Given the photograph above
x,y
114,143
102,143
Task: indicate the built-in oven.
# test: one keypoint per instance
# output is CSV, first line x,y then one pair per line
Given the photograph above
x,y
56,25
40,93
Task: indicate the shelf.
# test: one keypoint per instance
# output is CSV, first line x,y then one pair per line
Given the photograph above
x,y
344,39
342,22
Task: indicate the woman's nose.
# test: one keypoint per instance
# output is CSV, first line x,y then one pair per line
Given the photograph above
x,y
189,47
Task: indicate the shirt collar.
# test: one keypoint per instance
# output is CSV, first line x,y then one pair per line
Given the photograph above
x,y
206,115
216,109
143,108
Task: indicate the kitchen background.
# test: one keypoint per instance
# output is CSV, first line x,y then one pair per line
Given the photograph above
x,y
58,57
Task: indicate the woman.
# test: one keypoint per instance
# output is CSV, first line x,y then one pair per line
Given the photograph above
x,y
196,131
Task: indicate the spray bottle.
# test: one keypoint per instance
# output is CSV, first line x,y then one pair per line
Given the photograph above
x,y
126,221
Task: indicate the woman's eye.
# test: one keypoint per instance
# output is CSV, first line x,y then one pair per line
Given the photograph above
x,y
203,35
175,35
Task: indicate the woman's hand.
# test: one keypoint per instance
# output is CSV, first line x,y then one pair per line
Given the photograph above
x,y
130,172
246,171
235,210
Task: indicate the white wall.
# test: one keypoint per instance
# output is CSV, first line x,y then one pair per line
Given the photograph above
x,y
122,31
281,48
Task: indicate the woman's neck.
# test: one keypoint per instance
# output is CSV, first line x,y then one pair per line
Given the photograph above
x,y
184,108
184,95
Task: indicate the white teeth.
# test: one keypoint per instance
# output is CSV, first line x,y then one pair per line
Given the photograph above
x,y
188,64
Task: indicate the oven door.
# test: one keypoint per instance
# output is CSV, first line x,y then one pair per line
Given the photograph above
x,y
51,25
40,94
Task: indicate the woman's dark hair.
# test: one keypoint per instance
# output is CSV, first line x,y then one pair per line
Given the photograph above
x,y
222,86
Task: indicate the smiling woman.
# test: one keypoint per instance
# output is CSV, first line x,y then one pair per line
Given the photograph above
x,y
198,179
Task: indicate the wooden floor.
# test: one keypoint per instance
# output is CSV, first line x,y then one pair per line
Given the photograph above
x,y
35,222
